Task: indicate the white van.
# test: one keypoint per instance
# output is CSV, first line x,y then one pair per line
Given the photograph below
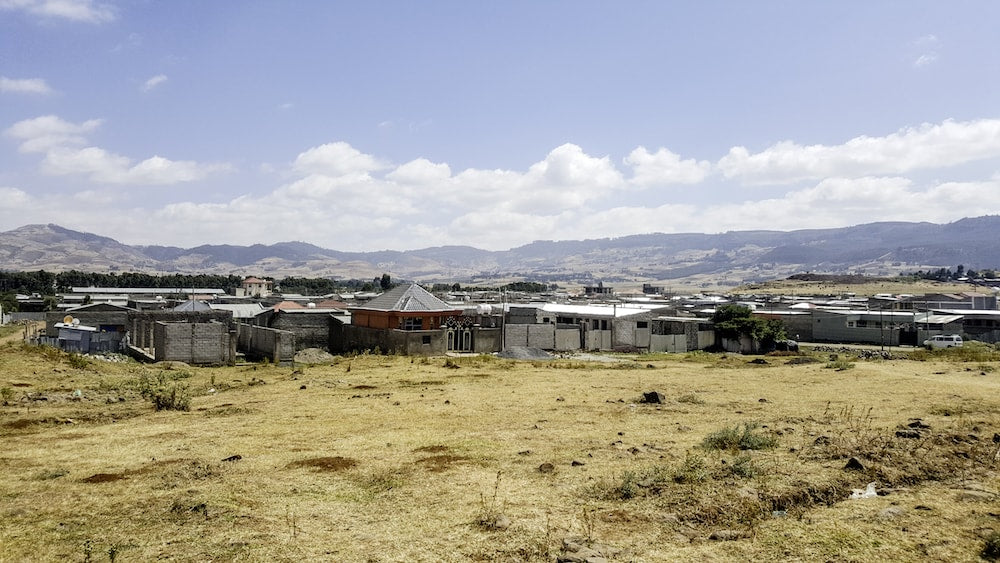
x,y
943,341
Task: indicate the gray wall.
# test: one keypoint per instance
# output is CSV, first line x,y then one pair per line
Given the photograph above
x,y
193,343
261,342
347,338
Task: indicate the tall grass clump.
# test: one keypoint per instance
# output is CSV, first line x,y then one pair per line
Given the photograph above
x,y
740,437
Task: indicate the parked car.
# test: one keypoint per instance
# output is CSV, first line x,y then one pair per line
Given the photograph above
x,y
943,341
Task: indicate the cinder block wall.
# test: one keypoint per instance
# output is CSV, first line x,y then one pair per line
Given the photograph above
x,y
193,343
259,342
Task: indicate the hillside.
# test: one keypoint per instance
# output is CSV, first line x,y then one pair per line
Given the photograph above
x,y
729,258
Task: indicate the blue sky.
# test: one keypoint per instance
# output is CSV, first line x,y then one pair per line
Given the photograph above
x,y
400,125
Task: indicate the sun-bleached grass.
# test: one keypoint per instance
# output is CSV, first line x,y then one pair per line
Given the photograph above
x,y
398,458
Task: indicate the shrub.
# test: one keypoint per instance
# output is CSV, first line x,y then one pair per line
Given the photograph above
x,y
743,466
691,398
991,550
172,398
77,361
839,365
692,470
740,437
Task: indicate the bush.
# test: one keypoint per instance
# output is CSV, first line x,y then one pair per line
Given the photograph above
x,y
839,365
170,398
991,550
739,437
77,361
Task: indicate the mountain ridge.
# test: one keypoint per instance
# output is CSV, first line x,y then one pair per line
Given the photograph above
x,y
732,257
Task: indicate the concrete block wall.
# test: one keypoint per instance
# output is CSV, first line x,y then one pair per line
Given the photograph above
x,y
194,343
567,339
486,340
515,335
260,342
542,336
408,342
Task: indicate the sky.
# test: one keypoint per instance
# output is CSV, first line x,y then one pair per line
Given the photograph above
x,y
401,125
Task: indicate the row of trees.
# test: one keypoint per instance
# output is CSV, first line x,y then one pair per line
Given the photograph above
x,y
946,274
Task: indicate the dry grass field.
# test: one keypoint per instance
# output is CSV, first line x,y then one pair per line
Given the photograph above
x,y
890,286
386,458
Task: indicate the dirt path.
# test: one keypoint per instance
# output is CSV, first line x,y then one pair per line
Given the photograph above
x,y
19,335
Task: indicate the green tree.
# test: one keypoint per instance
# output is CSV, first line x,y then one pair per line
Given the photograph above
x,y
385,282
734,321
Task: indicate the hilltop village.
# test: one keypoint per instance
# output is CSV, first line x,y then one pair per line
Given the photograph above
x,y
208,326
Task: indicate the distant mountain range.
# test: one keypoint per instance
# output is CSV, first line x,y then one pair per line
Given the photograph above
x,y
725,259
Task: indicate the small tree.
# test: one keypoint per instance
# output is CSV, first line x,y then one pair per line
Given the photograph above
x,y
734,321
385,282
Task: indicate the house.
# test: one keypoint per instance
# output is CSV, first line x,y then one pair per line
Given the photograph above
x,y
410,320
310,323
885,327
562,327
255,287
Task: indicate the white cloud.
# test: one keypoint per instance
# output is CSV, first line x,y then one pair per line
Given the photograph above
x,y
420,171
86,11
59,141
927,47
154,82
44,133
13,198
949,143
24,86
336,159
340,197
665,168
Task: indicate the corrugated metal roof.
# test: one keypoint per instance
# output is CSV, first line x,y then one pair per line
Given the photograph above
x,y
239,310
193,305
594,310
407,298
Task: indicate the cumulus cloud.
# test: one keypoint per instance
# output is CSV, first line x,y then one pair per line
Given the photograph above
x,y
24,86
154,82
86,11
665,168
941,145
340,197
420,171
336,159
60,141
44,133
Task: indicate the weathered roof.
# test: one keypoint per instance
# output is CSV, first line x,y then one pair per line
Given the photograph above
x,y
192,305
406,298
239,310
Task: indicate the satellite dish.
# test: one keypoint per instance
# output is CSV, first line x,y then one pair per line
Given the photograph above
x,y
76,322
68,319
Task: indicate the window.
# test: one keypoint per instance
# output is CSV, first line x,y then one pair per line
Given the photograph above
x,y
413,323
425,339
641,324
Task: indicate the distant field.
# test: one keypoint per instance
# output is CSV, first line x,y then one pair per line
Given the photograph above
x,y
481,459
895,287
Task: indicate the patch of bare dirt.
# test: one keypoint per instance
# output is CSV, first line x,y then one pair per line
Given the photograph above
x,y
334,463
103,478
432,449
439,463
